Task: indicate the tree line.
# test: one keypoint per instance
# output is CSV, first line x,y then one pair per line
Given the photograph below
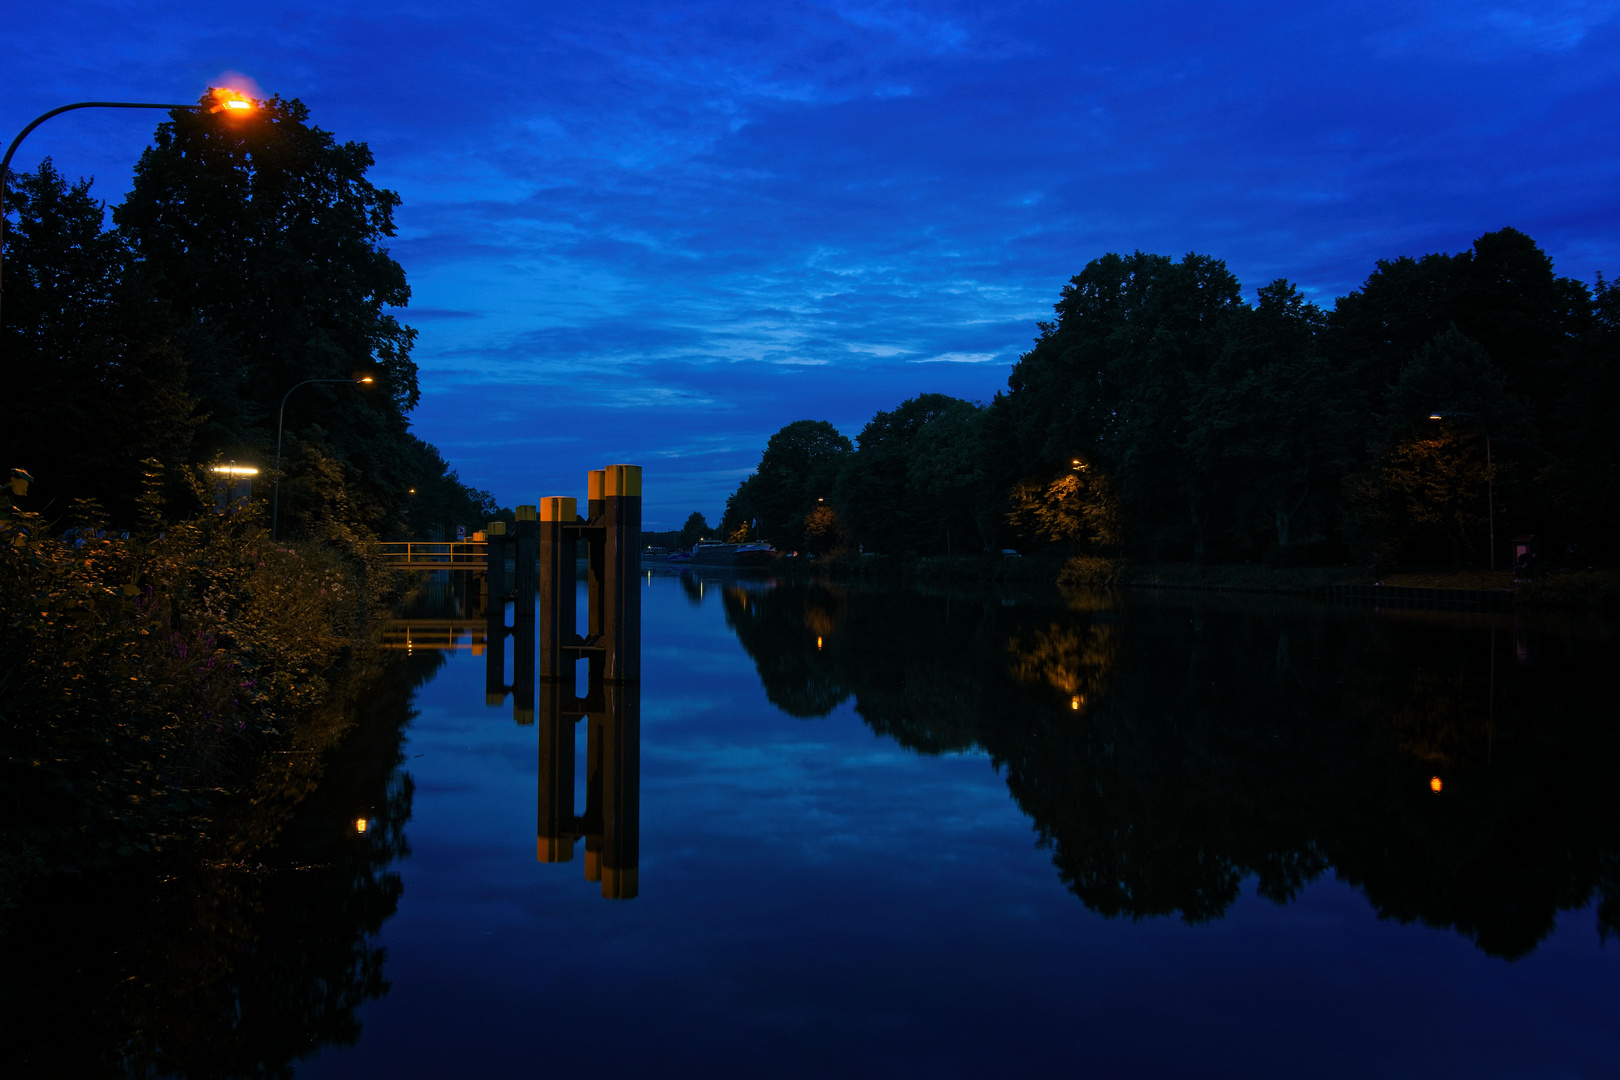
x,y
247,257
1160,415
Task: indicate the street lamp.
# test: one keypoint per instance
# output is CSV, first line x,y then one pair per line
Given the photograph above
x,y
1490,494
230,102
275,491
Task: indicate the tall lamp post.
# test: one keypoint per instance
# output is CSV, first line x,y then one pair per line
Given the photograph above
x,y
1490,493
275,491
226,101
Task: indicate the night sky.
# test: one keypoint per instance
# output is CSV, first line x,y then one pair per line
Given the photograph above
x,y
655,233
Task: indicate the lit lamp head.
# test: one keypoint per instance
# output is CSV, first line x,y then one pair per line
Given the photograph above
x,y
227,100
1437,416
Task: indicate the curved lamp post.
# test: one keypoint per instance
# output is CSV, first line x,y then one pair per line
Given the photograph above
x,y
226,101
275,496
1490,494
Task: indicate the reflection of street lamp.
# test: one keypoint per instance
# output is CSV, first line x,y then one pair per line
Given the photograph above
x,y
275,491
1490,494
228,101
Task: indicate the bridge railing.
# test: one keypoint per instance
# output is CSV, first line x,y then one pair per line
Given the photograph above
x,y
431,553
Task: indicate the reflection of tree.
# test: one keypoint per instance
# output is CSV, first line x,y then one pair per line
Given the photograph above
x,y
1226,741
1073,660
792,636
252,960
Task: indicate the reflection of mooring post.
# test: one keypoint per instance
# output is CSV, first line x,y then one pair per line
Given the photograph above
x,y
555,825
523,568
495,655
621,789
523,670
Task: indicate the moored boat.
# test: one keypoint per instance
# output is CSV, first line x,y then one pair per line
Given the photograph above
x,y
729,556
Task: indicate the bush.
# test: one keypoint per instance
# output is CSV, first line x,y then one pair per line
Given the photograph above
x,y
142,675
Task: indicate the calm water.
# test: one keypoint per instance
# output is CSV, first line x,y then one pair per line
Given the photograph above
x,y
902,835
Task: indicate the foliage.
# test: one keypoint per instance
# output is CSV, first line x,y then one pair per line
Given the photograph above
x,y
1076,508
142,674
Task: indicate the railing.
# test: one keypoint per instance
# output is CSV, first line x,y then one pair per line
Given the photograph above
x,y
435,554
447,634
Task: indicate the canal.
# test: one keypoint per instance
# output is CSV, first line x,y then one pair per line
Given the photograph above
x,y
904,834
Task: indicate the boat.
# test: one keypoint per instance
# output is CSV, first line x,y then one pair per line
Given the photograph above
x,y
727,556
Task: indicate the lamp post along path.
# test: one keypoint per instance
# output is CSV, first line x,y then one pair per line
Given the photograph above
x,y
281,413
227,101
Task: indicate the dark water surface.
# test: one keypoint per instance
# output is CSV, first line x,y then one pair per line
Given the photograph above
x,y
903,835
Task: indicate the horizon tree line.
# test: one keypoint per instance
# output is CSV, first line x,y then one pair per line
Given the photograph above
x,y
1160,415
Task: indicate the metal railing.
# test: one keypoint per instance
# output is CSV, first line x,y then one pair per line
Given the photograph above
x,y
435,554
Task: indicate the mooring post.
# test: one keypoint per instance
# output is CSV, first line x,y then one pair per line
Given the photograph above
x,y
495,540
557,524
621,790
554,824
527,530
594,551
621,587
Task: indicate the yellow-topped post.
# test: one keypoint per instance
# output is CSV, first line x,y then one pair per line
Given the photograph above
x,y
621,592
558,516
527,530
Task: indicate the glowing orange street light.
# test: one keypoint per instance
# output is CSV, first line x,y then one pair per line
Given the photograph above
x,y
1074,703
1434,783
361,824
230,100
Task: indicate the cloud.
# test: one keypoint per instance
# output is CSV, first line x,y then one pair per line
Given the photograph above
x,y
958,358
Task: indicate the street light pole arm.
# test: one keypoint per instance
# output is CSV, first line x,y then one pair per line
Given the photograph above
x,y
5,163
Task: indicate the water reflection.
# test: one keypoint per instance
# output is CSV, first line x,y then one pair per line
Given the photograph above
x,y
1457,768
255,958
611,823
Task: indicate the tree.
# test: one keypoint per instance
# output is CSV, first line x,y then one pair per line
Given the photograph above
x,y
797,469
694,530
265,238
1113,379
890,490
1275,425
93,384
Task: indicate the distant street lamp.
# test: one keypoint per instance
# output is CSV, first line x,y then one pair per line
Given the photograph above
x,y
275,491
225,100
1490,495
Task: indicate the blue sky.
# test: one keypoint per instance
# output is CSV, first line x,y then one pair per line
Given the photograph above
x,y
657,232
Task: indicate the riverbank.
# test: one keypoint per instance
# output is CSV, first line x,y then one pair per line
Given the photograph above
x,y
1591,588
